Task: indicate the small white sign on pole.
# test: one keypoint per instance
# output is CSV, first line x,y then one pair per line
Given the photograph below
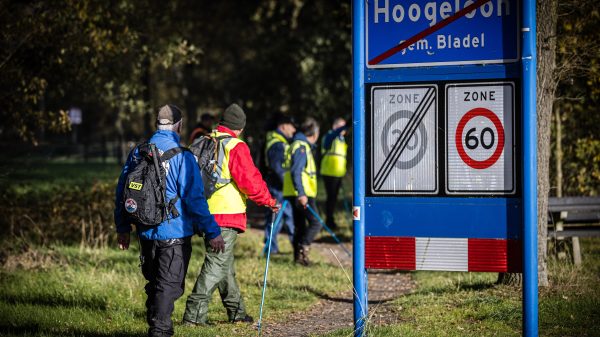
x,y
75,116
404,139
480,138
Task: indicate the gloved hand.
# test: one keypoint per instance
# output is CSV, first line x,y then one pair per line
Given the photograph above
x,y
217,244
275,206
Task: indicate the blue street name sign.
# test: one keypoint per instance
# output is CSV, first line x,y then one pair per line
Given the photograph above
x,y
446,33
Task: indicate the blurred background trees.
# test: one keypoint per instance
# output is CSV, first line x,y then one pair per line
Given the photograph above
x,y
119,60
575,168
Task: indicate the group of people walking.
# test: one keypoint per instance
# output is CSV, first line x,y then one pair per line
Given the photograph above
x,y
292,175
165,248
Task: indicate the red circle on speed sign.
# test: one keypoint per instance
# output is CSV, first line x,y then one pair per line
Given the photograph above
x,y
479,164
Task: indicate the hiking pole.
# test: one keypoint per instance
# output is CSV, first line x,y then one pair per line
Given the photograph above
x,y
262,301
274,228
327,229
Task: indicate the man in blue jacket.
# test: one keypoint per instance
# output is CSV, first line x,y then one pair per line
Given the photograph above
x,y
166,249
300,188
277,143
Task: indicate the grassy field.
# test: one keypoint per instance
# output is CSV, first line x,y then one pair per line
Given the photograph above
x,y
68,291
470,304
56,280
61,276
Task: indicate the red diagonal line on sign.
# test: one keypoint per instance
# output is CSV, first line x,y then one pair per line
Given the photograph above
x,y
428,31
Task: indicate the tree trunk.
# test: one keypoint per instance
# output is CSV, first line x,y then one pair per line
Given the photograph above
x,y
558,154
546,87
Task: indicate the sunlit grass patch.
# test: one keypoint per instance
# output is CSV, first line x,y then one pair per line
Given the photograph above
x,y
471,304
99,292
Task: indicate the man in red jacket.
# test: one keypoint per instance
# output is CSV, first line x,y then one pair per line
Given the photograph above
x,y
239,179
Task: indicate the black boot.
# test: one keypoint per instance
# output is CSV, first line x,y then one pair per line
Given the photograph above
x,y
297,249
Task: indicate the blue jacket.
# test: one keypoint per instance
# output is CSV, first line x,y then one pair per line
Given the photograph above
x,y
276,156
298,163
183,178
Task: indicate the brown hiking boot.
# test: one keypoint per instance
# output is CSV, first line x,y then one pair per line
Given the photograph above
x,y
303,256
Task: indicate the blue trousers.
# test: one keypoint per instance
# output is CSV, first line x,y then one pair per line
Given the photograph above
x,y
287,220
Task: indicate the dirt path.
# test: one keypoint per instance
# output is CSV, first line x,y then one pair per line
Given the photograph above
x,y
335,312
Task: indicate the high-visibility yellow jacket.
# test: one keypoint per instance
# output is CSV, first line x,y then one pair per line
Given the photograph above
x,y
274,137
333,162
308,175
227,199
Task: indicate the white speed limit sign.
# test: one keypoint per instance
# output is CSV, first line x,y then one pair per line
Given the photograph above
x,y
480,138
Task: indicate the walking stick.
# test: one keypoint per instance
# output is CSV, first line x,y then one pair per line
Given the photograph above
x,y
262,301
274,228
327,229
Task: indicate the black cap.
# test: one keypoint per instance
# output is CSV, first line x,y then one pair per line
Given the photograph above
x,y
283,119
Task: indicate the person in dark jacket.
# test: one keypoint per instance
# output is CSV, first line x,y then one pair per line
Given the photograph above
x,y
300,188
166,249
277,143
204,128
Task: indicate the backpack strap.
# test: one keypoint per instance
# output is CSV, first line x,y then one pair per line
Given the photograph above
x,y
172,153
166,156
222,137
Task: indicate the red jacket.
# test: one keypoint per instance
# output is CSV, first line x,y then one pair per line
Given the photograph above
x,y
248,180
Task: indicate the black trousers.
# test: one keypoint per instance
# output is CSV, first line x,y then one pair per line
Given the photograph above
x,y
332,187
164,265
304,235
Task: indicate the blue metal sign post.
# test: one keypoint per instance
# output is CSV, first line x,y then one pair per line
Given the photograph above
x,y
444,114
358,117
530,242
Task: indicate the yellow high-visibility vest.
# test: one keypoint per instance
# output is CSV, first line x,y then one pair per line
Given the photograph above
x,y
309,173
274,137
333,163
227,199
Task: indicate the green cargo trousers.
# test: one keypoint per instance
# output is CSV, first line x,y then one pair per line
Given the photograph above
x,y
218,271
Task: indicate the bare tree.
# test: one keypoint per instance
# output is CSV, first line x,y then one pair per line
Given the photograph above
x,y
547,15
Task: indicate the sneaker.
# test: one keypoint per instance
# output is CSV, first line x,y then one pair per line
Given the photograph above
x,y
245,319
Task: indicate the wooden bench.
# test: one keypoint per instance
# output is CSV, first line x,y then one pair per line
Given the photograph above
x,y
573,217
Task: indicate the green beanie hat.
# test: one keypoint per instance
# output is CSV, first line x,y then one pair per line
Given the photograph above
x,y
233,118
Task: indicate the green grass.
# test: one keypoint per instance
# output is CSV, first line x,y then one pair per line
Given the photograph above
x,y
49,286
99,292
470,304
52,286
41,178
